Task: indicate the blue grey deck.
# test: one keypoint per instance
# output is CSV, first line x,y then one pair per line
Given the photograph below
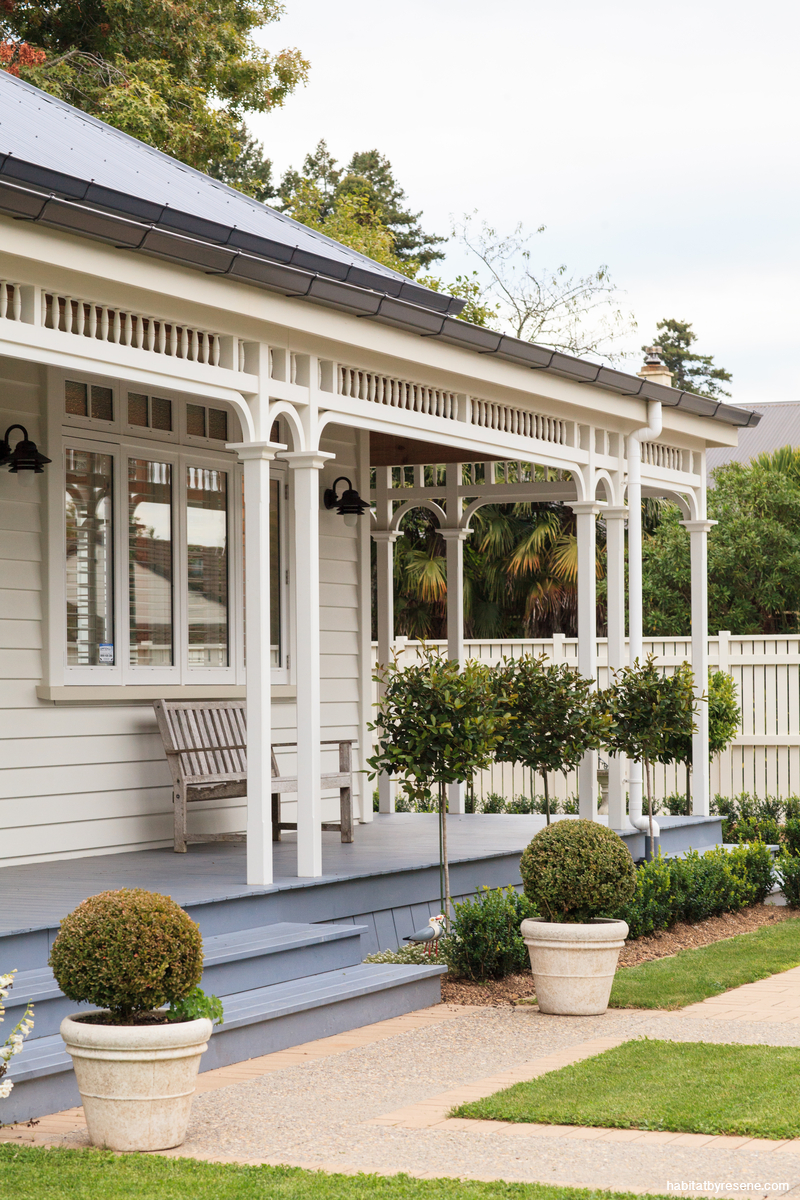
x,y
482,850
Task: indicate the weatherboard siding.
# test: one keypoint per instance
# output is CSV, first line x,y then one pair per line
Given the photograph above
x,y
86,779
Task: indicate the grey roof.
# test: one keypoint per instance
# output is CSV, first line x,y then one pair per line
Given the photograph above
x,y
779,426
63,168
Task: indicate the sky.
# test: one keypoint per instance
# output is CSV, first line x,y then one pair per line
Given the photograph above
x,y
659,139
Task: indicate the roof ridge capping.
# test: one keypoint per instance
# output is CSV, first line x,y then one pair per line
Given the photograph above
x,y
346,280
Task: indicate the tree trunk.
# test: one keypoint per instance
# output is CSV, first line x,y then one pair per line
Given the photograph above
x,y
649,799
445,865
546,797
688,789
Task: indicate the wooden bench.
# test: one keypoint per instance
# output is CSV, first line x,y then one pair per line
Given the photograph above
x,y
206,747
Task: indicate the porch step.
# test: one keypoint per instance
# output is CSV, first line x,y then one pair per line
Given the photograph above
x,y
257,1021
234,962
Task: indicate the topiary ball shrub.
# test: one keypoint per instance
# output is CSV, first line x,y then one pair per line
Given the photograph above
x,y
128,951
577,870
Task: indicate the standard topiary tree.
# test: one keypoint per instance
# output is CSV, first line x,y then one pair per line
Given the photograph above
x,y
576,870
436,723
128,951
556,714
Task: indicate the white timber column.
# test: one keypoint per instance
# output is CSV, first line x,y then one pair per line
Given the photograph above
x,y
384,540
306,466
701,782
616,517
585,519
256,457
454,542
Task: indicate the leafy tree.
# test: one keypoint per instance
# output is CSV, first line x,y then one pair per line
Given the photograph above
x,y
557,716
652,715
177,74
724,718
436,724
363,195
578,314
691,372
753,555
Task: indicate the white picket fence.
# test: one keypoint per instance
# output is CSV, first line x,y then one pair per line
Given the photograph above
x,y
764,758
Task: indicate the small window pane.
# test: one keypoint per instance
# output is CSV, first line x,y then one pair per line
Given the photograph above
x,y
207,537
137,409
161,413
90,622
218,424
195,420
102,404
150,562
75,399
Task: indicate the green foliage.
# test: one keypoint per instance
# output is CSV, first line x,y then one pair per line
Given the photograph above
x,y
197,1004
179,75
361,205
129,951
697,886
752,830
435,723
791,835
787,870
557,715
724,714
753,555
576,870
691,372
485,940
414,954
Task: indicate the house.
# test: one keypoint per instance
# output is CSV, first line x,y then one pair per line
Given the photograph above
x,y
183,355
779,426
205,378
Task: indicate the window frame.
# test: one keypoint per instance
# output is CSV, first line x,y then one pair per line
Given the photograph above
x,y
122,442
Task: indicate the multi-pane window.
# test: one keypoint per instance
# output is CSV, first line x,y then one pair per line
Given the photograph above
x,y
153,588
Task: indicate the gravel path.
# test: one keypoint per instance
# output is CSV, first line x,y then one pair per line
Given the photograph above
x,y
317,1113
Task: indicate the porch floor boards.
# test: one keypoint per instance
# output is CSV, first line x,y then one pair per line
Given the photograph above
x,y
39,895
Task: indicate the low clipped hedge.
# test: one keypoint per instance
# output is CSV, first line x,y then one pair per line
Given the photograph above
x,y
485,940
697,886
128,951
576,870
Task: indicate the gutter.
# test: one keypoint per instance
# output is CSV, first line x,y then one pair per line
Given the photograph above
x,y
75,206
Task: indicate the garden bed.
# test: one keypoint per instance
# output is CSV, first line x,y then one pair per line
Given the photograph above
x,y
661,944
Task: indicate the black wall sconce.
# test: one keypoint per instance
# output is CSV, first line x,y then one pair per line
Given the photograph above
x,y
349,505
25,460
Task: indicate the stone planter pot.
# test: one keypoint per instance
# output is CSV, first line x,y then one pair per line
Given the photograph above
x,y
573,965
136,1081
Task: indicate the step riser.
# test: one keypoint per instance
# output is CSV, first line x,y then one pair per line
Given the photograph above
x,y
52,1093
244,974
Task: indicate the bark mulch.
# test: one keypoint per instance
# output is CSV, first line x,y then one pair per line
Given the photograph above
x,y
499,993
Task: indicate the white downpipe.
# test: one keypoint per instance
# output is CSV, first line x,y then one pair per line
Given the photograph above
x,y
651,430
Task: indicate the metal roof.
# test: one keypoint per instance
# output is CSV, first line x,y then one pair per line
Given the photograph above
x,y
68,170
779,426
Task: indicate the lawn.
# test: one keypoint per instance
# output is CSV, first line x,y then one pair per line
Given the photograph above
x,y
686,1087
693,975
39,1174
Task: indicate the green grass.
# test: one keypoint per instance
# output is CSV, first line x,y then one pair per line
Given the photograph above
x,y
693,975
40,1174
686,1087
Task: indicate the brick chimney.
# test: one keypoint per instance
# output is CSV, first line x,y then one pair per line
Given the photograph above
x,y
654,367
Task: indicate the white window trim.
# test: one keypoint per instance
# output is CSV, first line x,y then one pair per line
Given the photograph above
x,y
122,441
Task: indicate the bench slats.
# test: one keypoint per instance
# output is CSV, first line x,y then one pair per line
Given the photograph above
x,y
206,747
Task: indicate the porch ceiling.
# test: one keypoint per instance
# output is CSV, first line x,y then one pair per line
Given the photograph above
x,y
388,450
